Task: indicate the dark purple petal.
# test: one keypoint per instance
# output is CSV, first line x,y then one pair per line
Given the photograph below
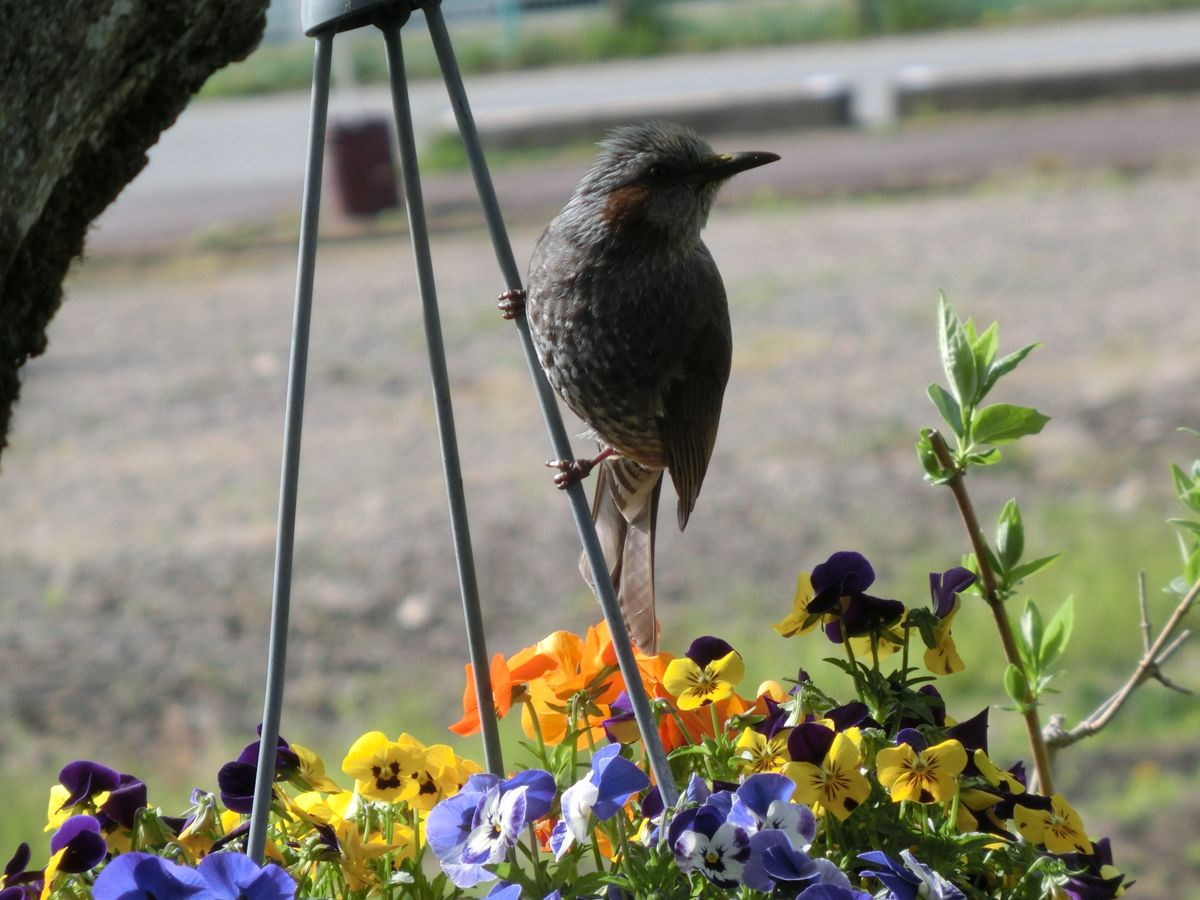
x,y
236,783
972,734
19,861
850,715
944,585
122,804
845,572
865,614
809,742
1004,809
680,824
84,845
704,650
286,760
775,719
913,738
83,778
621,726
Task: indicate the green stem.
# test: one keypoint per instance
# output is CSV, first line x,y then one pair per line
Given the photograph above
x,y
853,662
1033,727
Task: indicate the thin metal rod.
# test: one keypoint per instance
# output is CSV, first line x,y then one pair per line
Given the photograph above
x,y
459,522
293,422
580,509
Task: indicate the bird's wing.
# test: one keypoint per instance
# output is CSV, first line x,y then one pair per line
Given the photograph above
x,y
692,399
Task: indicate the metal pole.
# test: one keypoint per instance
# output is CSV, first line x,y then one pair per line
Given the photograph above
x,y
293,421
580,510
459,522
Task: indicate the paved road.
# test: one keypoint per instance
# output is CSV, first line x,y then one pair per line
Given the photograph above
x,y
242,160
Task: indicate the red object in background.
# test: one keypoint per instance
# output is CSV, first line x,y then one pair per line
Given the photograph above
x,y
363,166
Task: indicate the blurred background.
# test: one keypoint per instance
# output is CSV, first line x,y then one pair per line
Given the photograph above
x,y
1037,161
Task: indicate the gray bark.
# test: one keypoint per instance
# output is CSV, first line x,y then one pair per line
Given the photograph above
x,y
86,86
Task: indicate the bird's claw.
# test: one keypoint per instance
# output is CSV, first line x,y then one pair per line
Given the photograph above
x,y
570,471
510,303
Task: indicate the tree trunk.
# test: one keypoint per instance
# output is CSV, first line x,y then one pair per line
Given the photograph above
x,y
86,86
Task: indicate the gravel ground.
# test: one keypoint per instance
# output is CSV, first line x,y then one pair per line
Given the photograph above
x,y
139,492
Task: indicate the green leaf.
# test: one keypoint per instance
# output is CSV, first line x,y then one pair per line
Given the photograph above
x,y
987,458
949,409
1003,366
1057,634
958,359
1185,524
985,346
1031,633
929,460
1016,686
1191,571
1010,536
1002,423
1021,572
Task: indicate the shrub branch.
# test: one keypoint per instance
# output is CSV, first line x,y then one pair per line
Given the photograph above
x,y
1149,667
957,484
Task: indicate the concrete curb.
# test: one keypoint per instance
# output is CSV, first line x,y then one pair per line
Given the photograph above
x,y
923,89
817,102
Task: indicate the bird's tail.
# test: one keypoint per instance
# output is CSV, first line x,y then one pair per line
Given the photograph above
x,y
625,509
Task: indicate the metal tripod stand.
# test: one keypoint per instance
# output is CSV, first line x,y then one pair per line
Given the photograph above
x,y
322,20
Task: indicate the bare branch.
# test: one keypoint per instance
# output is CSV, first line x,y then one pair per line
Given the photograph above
x,y
1147,669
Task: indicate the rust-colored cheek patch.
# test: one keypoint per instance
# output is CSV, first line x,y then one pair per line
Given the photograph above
x,y
626,205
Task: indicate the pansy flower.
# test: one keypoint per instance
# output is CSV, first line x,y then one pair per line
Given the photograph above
x,y
236,779
909,879
704,842
1059,829
941,655
467,830
758,752
16,883
235,876
839,600
763,802
914,771
602,793
1093,876
508,678
825,769
708,672
145,875
584,668
384,769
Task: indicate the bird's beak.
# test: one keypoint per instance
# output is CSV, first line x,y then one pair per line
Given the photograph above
x,y
726,165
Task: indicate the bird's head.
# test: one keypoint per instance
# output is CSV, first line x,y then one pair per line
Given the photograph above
x,y
655,180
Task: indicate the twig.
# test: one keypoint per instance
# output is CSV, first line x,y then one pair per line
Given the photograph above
x,y
1033,727
1148,668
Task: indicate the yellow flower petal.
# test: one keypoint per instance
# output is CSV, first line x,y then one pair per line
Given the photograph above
x,y
793,623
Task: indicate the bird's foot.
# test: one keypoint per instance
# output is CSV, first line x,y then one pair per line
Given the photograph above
x,y
570,471
510,303
573,470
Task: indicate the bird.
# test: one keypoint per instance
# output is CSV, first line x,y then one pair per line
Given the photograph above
x,y
629,318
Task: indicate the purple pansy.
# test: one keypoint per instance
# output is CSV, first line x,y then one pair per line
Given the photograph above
x,y
20,884
839,588
607,787
944,586
84,778
909,879
621,726
82,844
479,823
710,845
235,876
236,779
143,876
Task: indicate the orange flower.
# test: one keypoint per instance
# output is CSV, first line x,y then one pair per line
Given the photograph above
x,y
507,678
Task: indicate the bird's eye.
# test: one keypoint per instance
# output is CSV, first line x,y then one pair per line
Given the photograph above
x,y
656,173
